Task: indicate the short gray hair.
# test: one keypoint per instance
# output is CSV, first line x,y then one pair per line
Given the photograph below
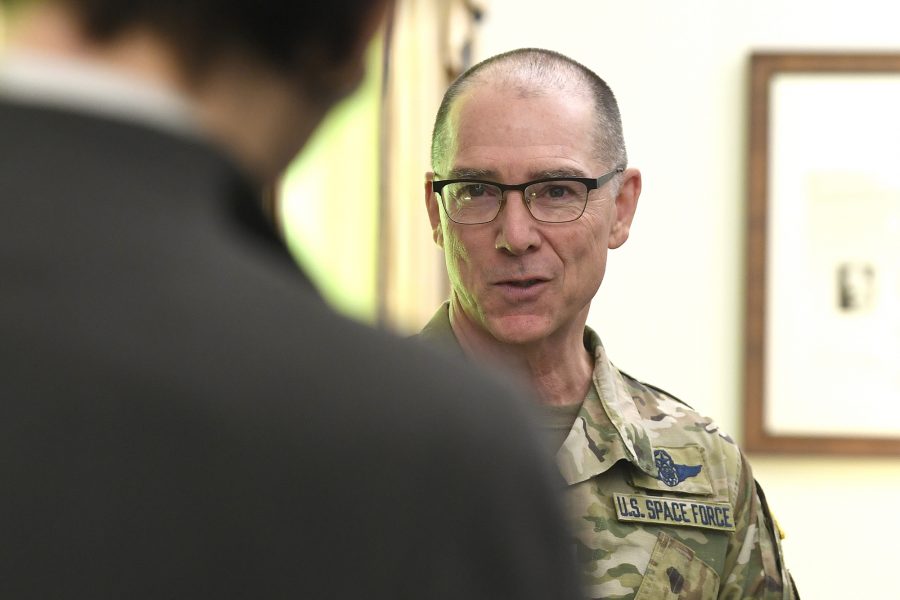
x,y
534,72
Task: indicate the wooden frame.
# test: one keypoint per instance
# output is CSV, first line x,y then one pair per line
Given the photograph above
x,y
760,402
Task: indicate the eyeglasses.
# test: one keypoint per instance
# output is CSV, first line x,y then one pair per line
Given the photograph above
x,y
550,200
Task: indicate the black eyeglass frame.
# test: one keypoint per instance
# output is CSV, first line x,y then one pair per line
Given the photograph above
x,y
590,183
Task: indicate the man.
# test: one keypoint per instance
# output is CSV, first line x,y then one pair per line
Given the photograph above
x,y
181,416
530,189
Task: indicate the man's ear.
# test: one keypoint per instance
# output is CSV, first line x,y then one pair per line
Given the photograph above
x,y
626,205
432,204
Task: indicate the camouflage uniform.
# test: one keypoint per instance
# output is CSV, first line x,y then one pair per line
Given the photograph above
x,y
664,505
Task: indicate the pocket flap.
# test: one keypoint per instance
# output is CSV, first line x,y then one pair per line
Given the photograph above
x,y
675,571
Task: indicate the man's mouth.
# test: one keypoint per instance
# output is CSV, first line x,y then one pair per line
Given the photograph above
x,y
522,283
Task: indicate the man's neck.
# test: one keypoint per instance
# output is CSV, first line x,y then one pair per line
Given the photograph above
x,y
558,367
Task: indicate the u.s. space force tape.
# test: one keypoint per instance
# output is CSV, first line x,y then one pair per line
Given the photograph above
x,y
683,512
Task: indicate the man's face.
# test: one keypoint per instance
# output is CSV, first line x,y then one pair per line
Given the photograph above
x,y
518,279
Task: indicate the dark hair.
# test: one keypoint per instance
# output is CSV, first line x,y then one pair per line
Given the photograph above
x,y
274,30
535,72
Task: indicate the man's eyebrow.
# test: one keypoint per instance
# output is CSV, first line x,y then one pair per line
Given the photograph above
x,y
470,173
491,175
562,172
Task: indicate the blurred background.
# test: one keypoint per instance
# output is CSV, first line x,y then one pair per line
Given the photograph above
x,y
671,310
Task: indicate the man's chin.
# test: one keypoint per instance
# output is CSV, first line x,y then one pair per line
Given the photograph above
x,y
519,329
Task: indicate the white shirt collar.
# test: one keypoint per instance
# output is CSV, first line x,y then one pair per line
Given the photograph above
x,y
88,87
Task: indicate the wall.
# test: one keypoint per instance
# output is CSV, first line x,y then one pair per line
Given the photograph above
x,y
325,199
670,311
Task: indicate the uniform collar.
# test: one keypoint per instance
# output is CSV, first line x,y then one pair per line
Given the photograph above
x,y
608,428
439,331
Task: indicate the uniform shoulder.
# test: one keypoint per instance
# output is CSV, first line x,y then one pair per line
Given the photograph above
x,y
669,412
652,389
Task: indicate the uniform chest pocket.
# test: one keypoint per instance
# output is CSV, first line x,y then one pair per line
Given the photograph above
x,y
676,573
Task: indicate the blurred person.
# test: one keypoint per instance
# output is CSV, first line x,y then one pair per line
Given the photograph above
x,y
182,416
529,191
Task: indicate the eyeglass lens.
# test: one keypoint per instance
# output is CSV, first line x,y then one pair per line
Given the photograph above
x,y
551,201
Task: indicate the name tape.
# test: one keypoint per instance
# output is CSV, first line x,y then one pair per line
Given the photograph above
x,y
674,511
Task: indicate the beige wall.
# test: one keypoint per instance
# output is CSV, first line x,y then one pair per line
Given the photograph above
x,y
670,310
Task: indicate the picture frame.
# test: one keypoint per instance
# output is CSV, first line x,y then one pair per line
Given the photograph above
x,y
822,354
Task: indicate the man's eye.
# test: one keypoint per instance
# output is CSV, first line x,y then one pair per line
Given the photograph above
x,y
558,191
555,191
475,190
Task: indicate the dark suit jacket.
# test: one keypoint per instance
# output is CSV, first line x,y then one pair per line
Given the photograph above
x,y
182,417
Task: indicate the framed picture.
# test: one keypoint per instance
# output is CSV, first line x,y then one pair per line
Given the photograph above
x,y
822,370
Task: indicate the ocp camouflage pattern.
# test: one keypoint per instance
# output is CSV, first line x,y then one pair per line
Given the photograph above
x,y
663,504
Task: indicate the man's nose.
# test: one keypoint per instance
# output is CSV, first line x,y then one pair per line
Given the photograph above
x,y
517,230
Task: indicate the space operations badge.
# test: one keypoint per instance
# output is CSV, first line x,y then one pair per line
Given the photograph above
x,y
674,511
